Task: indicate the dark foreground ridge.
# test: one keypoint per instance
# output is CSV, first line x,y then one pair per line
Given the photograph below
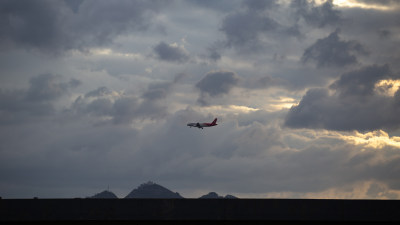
x,y
198,211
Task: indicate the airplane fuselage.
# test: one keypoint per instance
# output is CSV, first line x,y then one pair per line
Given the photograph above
x,y
202,125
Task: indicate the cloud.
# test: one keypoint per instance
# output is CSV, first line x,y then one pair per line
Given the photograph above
x,y
263,82
277,159
44,87
36,24
331,51
98,107
76,137
101,91
73,4
257,5
222,5
361,82
53,27
253,147
120,108
215,84
244,30
257,27
160,90
380,191
376,31
355,104
171,53
380,2
317,16
213,53
125,109
18,106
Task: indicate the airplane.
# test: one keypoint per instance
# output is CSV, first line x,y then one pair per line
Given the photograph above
x,y
201,125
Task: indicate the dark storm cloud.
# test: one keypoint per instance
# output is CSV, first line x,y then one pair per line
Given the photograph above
x,y
101,21
254,27
52,26
243,30
246,29
354,105
317,16
332,51
171,53
37,24
18,106
215,84
218,83
361,82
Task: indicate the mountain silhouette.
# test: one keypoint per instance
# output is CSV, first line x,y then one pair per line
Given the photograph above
x,y
213,195
231,197
104,194
152,190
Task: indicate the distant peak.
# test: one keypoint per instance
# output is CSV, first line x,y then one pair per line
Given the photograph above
x,y
152,190
214,195
231,197
211,195
148,183
105,194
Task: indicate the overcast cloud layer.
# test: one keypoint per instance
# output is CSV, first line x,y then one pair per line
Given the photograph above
x,y
98,93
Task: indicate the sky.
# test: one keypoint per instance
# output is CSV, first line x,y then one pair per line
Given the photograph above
x,y
96,94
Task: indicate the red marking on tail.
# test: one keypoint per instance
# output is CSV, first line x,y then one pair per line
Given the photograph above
x,y
214,122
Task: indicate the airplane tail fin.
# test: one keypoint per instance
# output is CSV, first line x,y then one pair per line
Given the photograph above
x,y
214,122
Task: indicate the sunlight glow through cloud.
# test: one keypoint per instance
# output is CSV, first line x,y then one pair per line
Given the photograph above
x,y
282,103
375,139
234,109
387,87
356,4
110,52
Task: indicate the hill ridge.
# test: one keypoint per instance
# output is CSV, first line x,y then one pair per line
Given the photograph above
x,y
154,190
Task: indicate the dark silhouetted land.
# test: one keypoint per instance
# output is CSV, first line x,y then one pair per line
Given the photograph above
x,y
199,211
